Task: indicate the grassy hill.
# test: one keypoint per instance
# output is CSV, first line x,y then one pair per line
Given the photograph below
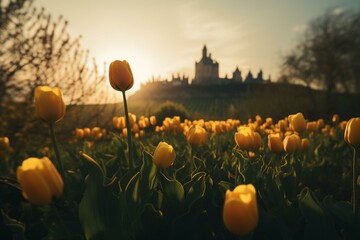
x,y
244,100
207,102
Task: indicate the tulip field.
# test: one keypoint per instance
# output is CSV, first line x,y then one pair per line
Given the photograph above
x,y
299,191
293,178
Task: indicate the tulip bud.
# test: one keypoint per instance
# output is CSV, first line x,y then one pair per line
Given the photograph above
x,y
164,155
79,133
320,123
258,119
87,132
247,139
197,136
342,125
120,75
4,143
282,125
240,213
153,120
39,180
275,143
312,127
335,118
49,104
297,122
115,121
256,140
305,144
95,131
352,132
268,122
292,143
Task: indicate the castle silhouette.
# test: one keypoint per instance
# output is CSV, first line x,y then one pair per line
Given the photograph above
x,y
207,73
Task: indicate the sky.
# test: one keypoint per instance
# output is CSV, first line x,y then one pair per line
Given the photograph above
x,y
164,37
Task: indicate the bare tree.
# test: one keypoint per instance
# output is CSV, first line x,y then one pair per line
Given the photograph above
x,y
37,50
328,56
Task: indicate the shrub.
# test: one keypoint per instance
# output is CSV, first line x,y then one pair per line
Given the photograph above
x,y
171,109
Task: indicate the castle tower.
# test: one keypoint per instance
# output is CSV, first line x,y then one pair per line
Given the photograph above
x,y
204,52
260,76
206,70
237,75
249,78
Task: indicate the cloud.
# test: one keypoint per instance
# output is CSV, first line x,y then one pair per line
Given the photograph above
x,y
337,11
300,28
225,37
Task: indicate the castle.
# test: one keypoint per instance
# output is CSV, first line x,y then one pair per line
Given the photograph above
x,y
207,73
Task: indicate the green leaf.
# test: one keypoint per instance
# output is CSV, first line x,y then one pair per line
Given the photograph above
x,y
196,190
172,189
342,212
101,212
318,223
132,188
17,228
148,173
223,186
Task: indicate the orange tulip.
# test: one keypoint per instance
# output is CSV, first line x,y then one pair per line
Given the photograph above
x,y
120,75
305,144
292,143
275,143
352,132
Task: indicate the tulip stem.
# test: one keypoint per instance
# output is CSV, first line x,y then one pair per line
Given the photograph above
x,y
355,188
128,131
57,154
57,215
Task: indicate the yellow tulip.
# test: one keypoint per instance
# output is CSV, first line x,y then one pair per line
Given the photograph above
x,y
240,213
256,140
4,143
335,118
352,132
342,125
297,122
258,119
247,139
49,104
95,131
268,122
292,143
312,127
282,125
39,180
320,123
87,132
164,155
197,136
120,75
79,133
153,120
275,143
305,144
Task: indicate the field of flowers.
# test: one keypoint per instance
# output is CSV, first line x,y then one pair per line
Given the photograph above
x,y
181,179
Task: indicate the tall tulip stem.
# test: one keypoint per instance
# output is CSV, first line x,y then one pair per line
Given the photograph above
x,y
128,130
355,189
57,154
